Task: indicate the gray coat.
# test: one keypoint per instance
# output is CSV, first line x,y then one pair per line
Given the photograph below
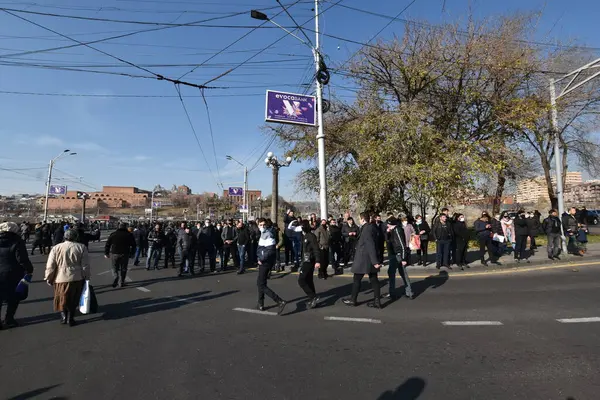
x,y
366,251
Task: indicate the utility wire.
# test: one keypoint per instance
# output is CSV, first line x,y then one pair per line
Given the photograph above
x,y
266,48
158,76
178,89
230,45
296,23
212,137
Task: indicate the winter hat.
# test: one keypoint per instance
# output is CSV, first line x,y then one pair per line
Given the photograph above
x,y
9,227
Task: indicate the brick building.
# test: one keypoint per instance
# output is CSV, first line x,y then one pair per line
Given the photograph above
x,y
253,195
109,197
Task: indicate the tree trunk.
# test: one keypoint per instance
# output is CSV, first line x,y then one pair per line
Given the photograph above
x,y
499,192
551,193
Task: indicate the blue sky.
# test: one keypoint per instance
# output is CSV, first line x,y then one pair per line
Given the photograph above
x,y
143,141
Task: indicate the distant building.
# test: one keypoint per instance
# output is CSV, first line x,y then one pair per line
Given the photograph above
x,y
253,195
587,194
533,190
183,189
109,197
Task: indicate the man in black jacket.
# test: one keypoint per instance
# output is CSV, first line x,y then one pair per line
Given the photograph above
x,y
551,226
170,245
350,235
207,240
335,246
186,242
156,239
310,258
14,264
366,262
121,245
570,227
397,250
443,235
243,241
521,233
139,243
229,236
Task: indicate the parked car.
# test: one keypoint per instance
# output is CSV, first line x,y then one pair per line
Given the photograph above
x,y
592,217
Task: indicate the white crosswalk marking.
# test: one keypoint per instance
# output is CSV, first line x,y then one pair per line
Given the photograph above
x,y
578,320
347,319
251,311
472,323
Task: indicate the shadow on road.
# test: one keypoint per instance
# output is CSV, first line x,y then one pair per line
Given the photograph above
x,y
409,390
38,392
433,282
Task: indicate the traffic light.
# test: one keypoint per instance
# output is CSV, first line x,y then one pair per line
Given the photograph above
x,y
82,195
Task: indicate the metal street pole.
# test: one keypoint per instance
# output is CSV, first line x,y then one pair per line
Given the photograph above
x,y
557,161
246,210
321,133
49,181
152,205
275,195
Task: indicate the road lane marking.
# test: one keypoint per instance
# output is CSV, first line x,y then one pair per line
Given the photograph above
x,y
251,311
578,320
346,319
128,279
105,272
472,323
143,289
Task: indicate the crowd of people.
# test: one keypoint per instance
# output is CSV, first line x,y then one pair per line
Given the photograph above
x,y
309,244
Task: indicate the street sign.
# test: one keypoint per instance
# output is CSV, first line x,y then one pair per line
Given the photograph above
x,y
156,204
58,190
244,209
236,191
290,108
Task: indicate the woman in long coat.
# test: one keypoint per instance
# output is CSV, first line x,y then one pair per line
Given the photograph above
x,y
67,269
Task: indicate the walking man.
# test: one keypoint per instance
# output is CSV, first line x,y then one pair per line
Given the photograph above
x,y
207,240
570,227
186,242
119,247
398,256
156,239
266,253
366,262
323,239
229,236
243,242
551,227
310,256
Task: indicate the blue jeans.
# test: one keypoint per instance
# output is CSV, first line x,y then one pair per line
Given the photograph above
x,y
138,253
153,254
443,253
297,245
241,255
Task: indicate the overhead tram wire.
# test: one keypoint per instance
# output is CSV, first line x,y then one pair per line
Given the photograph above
x,y
157,76
187,114
212,137
231,44
267,47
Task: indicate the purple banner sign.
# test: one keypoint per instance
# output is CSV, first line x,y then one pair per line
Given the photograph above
x,y
58,190
290,108
236,191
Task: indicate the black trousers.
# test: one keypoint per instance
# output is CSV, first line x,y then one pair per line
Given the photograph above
x,y
169,256
324,261
306,279
335,254
374,285
349,251
520,246
212,257
119,264
486,243
187,257
422,252
532,244
230,252
461,252
9,296
261,282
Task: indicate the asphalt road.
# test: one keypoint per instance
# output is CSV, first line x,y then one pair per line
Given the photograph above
x,y
490,337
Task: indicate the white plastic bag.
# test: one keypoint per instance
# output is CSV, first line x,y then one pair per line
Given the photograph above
x,y
84,301
498,238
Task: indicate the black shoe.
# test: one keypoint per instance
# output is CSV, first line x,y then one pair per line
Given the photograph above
x,y
484,263
461,267
449,267
72,321
313,303
63,317
180,275
241,272
466,266
10,323
349,302
557,258
281,304
115,283
260,307
374,304
122,284
339,271
438,266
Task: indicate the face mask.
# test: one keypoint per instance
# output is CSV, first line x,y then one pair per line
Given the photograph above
x,y
206,223
262,229
419,221
404,223
461,219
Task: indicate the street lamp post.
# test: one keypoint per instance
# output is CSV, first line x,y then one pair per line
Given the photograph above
x,y
316,50
49,181
245,194
569,87
273,163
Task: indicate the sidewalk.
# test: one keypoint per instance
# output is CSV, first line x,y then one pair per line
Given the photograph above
x,y
539,260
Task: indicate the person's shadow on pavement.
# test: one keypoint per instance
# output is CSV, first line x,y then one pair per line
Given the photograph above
x,y
433,281
411,389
